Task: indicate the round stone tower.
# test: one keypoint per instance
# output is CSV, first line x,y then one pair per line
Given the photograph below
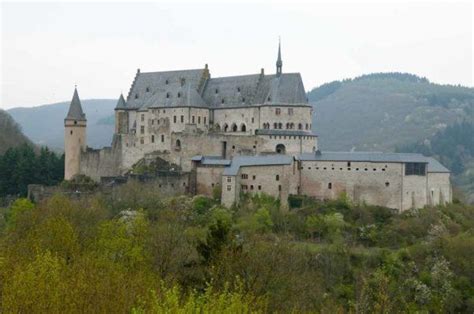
x,y
74,137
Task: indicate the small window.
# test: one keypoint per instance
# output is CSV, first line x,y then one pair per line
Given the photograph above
x,y
136,96
277,111
199,120
174,119
142,141
71,132
269,98
153,139
243,99
204,120
254,177
245,176
259,187
251,187
162,138
143,117
183,81
229,187
348,164
222,101
148,89
182,119
277,177
387,184
142,129
179,95
238,89
75,122
192,119
217,91
279,188
290,111
167,82
229,179
167,96
253,119
329,185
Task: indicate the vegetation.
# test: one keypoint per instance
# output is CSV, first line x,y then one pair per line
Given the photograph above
x,y
20,166
131,251
10,133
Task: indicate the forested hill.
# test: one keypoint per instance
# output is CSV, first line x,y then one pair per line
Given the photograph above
x,y
384,110
10,133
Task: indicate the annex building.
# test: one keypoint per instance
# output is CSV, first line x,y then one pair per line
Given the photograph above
x,y
243,134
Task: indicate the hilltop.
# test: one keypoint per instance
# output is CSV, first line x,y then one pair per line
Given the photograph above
x,y
11,134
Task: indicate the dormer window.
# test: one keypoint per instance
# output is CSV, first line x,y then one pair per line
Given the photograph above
x,y
238,89
167,95
183,81
136,96
148,89
243,99
217,91
222,100
167,82
269,98
179,95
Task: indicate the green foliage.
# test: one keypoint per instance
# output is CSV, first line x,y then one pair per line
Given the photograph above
x,y
79,182
20,166
182,254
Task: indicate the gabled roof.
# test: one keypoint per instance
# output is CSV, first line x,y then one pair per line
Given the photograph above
x,y
75,109
267,160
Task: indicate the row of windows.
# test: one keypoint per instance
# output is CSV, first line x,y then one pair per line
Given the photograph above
x,y
387,184
193,119
348,169
289,126
245,176
278,110
232,128
276,137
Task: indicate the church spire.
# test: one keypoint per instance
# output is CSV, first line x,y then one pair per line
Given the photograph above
x,y
279,63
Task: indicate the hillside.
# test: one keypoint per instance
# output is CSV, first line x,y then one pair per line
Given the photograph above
x,y
383,111
10,133
45,124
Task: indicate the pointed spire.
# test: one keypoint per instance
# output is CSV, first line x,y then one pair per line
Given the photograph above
x,y
279,63
75,109
121,104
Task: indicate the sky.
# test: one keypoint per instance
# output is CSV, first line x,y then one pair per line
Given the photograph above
x,y
48,48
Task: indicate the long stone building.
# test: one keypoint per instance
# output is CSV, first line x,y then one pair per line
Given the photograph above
x,y
244,134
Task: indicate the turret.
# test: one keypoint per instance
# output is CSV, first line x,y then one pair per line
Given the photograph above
x,y
74,137
121,116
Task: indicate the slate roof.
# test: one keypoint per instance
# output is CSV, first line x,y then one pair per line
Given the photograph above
x,y
433,165
121,104
267,160
212,160
196,88
75,109
284,132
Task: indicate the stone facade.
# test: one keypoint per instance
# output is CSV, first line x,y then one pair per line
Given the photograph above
x,y
257,135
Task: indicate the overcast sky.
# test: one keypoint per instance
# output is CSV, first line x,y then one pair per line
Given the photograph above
x,y
47,48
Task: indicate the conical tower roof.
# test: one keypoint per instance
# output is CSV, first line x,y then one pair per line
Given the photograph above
x,y
75,109
121,104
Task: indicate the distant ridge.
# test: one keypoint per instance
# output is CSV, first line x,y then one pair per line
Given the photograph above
x,y
10,133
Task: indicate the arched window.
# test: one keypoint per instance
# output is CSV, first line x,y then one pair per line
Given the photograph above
x,y
307,126
280,149
275,125
234,127
243,128
292,125
178,145
300,126
280,125
217,127
226,127
288,126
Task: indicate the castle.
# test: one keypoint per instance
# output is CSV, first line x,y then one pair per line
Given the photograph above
x,y
244,134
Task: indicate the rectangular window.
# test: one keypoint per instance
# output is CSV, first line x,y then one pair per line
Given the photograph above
x,y
229,179
279,188
192,119
162,138
229,187
251,187
259,187
153,139
277,177
277,111
415,168
290,111
143,117
174,119
182,119
142,141
245,176
142,129
253,177
205,120
253,119
199,120
330,185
